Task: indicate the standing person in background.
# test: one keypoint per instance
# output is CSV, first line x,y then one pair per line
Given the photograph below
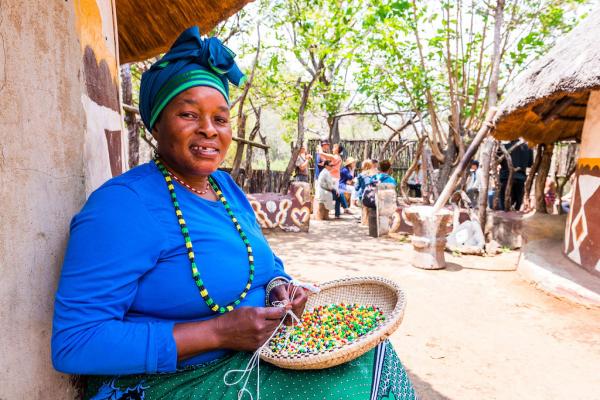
x,y
522,158
415,180
474,183
335,161
302,162
319,162
550,195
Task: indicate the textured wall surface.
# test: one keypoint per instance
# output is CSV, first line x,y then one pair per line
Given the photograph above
x,y
58,115
582,233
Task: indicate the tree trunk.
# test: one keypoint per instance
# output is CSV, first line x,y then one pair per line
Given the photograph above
x,y
511,171
485,158
241,117
462,165
239,152
300,135
131,121
334,129
540,181
531,177
249,153
412,168
429,182
449,158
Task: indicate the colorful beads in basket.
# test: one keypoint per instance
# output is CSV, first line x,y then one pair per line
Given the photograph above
x,y
326,328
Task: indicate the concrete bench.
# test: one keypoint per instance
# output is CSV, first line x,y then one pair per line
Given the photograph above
x,y
289,212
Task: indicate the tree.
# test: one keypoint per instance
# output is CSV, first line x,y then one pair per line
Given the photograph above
x,y
450,60
320,35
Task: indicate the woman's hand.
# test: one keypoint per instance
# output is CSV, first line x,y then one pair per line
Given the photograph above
x,y
247,328
284,294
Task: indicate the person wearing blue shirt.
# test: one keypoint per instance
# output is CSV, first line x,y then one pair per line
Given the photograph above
x,y
319,161
167,281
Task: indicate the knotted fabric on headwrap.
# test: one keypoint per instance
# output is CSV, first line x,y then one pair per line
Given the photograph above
x,y
191,61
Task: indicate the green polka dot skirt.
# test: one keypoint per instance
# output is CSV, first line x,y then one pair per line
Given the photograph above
x,y
376,375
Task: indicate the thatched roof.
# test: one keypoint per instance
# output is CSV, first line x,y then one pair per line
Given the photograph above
x,y
548,101
149,27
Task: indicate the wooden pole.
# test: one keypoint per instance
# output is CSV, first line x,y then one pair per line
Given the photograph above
x,y
464,162
540,181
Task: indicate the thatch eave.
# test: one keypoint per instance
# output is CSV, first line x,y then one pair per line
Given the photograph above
x,y
148,28
549,100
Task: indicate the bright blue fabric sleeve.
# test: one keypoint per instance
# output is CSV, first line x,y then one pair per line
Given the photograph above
x,y
110,249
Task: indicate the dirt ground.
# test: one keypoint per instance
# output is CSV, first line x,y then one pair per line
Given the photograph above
x,y
475,330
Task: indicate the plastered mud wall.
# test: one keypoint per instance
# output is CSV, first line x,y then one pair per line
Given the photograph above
x,y
60,137
582,232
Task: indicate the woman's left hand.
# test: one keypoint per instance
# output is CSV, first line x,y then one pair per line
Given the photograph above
x,y
284,293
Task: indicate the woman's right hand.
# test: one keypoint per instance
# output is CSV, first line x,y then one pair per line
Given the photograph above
x,y
247,328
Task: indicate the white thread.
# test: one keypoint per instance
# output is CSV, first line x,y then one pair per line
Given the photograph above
x,y
308,286
254,361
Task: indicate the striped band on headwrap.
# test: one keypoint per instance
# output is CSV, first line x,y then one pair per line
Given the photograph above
x,y
182,82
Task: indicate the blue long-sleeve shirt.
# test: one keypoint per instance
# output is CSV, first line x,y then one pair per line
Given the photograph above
x,y
126,278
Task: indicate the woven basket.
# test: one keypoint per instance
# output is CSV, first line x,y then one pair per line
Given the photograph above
x,y
366,291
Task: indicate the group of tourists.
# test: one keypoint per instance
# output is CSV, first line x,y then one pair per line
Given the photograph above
x,y
338,183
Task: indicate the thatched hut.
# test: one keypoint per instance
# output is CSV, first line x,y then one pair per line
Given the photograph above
x,y
147,28
558,98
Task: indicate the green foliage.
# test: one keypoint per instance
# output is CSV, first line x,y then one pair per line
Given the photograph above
x,y
389,55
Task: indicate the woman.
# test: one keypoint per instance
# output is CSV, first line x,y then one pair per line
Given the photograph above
x,y
367,171
302,162
327,190
385,167
335,160
168,282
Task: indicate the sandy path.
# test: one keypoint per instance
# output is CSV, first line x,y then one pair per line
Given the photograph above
x,y
467,333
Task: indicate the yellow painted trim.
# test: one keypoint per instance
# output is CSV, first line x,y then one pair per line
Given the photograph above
x,y
588,162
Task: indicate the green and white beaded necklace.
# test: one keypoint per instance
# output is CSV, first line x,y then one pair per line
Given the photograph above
x,y
210,302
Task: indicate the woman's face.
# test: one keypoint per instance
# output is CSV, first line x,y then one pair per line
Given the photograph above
x,y
336,149
194,132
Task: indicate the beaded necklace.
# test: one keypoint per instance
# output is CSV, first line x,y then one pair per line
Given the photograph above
x,y
210,302
193,189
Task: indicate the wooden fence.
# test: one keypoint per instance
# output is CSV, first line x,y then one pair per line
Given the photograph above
x,y
262,181
401,153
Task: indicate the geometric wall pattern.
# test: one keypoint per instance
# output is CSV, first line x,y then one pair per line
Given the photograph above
x,y
582,231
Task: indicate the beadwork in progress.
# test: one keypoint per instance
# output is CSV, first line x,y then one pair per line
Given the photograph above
x,y
325,328
190,247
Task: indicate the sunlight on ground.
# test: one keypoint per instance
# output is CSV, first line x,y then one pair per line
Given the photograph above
x,y
469,332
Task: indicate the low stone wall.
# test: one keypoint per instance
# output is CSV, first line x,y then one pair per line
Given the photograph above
x,y
289,212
